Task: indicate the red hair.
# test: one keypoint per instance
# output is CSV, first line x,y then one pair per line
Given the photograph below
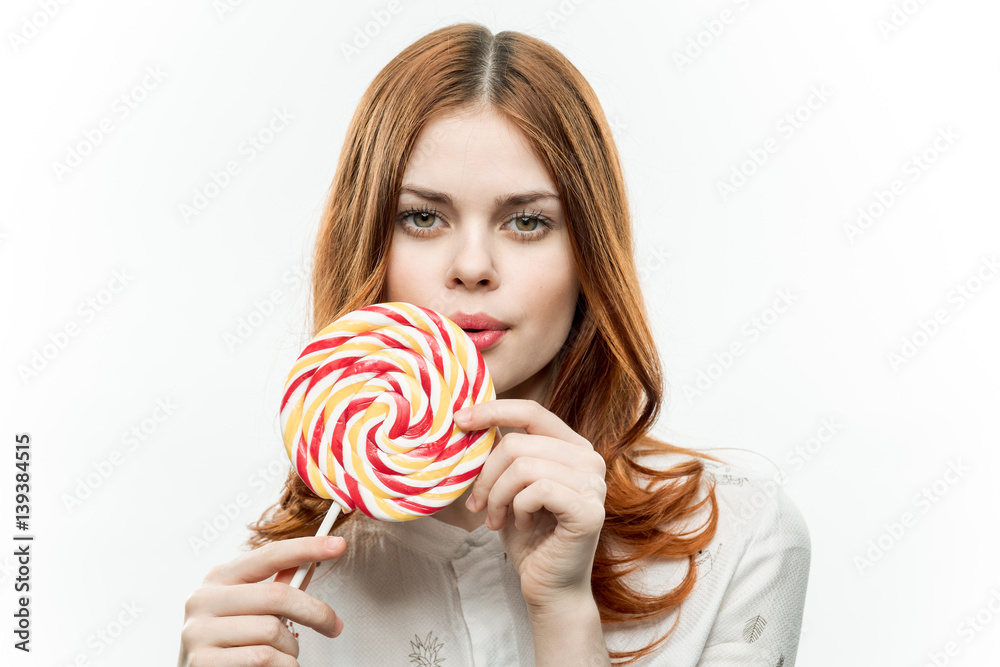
x,y
608,385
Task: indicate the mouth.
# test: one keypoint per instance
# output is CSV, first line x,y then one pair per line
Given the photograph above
x,y
477,321
484,330
484,339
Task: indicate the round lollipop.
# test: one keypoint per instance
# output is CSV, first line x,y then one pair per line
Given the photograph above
x,y
367,414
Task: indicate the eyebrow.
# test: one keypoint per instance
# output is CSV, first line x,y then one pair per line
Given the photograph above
x,y
503,201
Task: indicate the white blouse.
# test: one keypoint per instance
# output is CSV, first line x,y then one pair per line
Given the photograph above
x,y
427,593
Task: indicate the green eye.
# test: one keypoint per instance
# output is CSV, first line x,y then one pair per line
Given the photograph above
x,y
422,216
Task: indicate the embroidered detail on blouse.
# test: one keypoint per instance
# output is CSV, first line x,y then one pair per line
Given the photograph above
x,y
706,556
754,628
425,651
731,480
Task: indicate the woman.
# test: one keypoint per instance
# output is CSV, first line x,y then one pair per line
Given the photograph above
x,y
479,178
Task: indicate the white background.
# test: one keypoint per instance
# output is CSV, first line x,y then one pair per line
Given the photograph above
x,y
710,265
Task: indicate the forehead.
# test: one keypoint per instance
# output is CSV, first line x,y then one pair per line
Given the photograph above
x,y
475,155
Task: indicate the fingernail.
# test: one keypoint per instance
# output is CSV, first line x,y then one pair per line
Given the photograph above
x,y
470,504
463,416
333,542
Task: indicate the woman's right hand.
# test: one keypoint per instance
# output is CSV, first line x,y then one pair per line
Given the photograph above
x,y
233,620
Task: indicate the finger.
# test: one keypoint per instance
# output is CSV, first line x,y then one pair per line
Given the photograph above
x,y
582,515
523,472
517,445
263,563
269,598
518,413
242,656
231,631
285,576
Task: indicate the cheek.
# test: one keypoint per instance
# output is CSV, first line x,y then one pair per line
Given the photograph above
x,y
565,285
415,277
404,275
400,288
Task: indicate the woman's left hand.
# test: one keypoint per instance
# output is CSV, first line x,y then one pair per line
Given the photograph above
x,y
544,491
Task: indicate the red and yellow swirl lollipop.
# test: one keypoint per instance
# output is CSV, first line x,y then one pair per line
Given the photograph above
x,y
367,413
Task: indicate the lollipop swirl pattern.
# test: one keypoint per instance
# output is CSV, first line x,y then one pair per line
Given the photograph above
x,y
367,412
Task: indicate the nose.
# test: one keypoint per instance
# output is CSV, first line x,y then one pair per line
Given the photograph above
x,y
473,262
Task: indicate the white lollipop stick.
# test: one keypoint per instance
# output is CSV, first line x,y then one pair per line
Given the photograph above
x,y
324,529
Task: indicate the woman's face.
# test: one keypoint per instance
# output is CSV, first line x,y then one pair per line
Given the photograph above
x,y
456,250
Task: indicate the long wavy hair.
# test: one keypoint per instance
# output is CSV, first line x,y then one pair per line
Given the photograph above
x,y
608,385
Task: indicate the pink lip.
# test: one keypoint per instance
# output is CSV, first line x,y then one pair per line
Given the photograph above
x,y
477,321
487,338
491,329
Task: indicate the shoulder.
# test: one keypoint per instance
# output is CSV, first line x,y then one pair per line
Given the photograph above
x,y
754,509
757,506
756,563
